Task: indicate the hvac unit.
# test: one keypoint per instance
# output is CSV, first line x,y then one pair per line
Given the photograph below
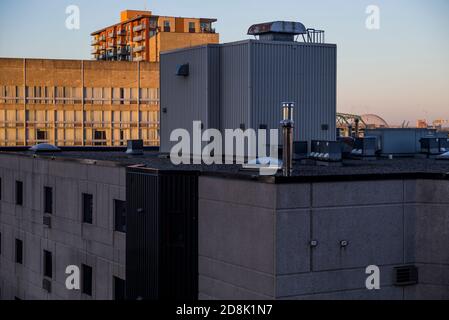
x,y
430,146
328,151
365,147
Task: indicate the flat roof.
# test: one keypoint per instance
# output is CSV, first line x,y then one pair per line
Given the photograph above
x,y
351,170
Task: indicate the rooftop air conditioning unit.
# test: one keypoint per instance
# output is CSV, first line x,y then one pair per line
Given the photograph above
x,y
135,147
430,145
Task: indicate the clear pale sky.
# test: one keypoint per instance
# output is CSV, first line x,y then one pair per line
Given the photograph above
x,y
400,72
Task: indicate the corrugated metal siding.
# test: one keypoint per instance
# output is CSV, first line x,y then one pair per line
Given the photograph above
x,y
234,85
248,86
303,73
213,87
142,236
184,98
162,235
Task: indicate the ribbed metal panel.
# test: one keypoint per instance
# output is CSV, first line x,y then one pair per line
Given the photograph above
x,y
234,85
298,72
162,235
191,98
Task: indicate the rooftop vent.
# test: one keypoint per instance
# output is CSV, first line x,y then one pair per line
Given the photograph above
x,y
135,147
44,147
285,31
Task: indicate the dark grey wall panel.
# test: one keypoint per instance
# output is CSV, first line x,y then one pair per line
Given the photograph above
x,y
162,235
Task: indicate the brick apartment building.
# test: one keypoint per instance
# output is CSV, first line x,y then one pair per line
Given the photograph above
x,y
141,36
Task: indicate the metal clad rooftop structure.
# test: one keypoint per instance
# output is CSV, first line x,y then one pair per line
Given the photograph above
x,y
242,85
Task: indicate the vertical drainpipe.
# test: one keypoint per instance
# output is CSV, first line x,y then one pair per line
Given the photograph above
x,y
138,101
83,137
24,102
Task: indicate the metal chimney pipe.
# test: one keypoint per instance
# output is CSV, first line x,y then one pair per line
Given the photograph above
x,y
287,124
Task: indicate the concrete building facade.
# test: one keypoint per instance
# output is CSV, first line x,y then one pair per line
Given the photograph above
x,y
141,36
78,103
309,236
37,245
314,240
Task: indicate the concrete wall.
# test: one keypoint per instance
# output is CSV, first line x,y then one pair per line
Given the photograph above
x,y
70,241
254,242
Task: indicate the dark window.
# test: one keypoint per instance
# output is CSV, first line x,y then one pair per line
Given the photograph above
x,y
41,135
120,215
166,26
100,138
122,139
19,251
86,274
48,264
87,208
122,95
192,27
48,200
119,289
19,193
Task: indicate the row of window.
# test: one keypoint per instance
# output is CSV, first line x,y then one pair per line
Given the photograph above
x,y
87,206
71,95
86,271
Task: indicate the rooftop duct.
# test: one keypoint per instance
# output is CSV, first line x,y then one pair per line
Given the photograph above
x,y
285,31
135,147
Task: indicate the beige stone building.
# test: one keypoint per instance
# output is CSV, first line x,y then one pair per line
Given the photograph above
x,y
78,103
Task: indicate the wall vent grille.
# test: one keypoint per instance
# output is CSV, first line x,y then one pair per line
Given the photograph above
x,y
406,275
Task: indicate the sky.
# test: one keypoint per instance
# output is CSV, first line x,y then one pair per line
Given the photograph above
x,y
399,71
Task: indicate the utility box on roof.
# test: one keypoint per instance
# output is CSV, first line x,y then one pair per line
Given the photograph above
x,y
242,84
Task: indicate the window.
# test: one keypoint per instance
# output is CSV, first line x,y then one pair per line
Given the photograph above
x,y
19,251
41,135
166,26
192,27
122,95
48,264
122,142
119,289
87,208
86,273
120,215
48,200
19,193
100,138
